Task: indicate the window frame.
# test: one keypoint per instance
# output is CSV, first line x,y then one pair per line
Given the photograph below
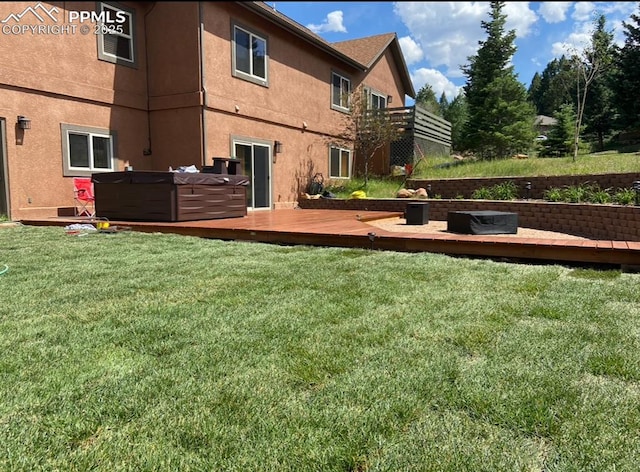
x,y
90,132
380,96
341,150
108,57
250,77
342,77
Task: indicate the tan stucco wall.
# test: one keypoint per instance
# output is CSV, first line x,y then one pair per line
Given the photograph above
x,y
295,107
164,103
58,78
175,95
34,156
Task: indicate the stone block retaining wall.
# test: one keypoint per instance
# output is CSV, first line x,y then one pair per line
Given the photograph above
x,y
603,222
464,188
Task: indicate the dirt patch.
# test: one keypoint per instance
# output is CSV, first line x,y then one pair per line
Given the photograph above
x,y
400,225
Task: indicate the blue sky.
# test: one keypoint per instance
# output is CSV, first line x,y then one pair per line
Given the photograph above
x,y
437,37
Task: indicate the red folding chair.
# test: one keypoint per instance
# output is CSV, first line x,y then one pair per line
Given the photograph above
x,y
83,197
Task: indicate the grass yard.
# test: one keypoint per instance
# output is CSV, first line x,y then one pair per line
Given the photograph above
x,y
597,163
148,352
434,167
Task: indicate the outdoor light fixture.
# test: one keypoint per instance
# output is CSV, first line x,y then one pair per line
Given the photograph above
x,y
277,147
389,98
24,122
636,187
527,188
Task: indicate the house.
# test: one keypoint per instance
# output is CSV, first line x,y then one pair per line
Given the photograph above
x,y
100,86
543,124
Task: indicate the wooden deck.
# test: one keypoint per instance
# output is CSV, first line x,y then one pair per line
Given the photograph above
x,y
345,228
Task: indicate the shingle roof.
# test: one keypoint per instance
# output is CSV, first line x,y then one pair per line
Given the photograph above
x,y
368,50
365,50
360,53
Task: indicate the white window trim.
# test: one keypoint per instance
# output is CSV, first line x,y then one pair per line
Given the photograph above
x,y
333,105
90,132
264,81
350,161
102,28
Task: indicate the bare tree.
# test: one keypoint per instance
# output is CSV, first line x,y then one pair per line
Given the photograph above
x,y
589,65
368,129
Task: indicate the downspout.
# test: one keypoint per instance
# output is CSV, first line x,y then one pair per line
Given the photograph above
x,y
148,150
203,89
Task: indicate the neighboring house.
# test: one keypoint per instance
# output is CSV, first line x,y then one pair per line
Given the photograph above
x,y
544,123
169,84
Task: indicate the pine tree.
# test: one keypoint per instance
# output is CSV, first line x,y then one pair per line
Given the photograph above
x,y
560,137
500,117
627,74
599,110
443,104
426,98
457,114
535,92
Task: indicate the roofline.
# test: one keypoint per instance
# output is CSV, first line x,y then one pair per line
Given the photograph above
x,y
264,10
406,77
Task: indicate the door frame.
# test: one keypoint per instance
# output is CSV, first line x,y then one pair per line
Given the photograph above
x,y
247,141
5,206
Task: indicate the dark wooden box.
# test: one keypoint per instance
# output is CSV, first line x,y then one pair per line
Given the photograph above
x,y
169,196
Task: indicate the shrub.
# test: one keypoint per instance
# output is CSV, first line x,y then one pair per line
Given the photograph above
x,y
482,193
503,191
553,194
624,196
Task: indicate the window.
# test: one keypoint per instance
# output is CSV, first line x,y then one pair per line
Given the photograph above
x,y
378,101
375,100
87,150
250,59
340,90
339,163
116,38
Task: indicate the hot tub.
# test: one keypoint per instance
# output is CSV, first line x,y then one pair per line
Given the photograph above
x,y
169,196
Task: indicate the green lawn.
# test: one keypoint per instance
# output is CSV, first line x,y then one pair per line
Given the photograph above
x,y
598,163
149,352
434,167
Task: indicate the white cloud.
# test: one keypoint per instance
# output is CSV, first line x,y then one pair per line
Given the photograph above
x,y
573,44
411,50
583,11
439,83
448,32
333,23
554,12
519,18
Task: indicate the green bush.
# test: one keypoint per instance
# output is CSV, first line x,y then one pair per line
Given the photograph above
x,y
503,191
589,193
624,196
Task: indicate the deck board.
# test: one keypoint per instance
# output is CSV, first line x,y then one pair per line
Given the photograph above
x,y
349,228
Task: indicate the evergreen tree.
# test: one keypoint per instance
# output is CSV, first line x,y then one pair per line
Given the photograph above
x,y
556,87
627,75
500,117
443,104
599,110
535,92
457,114
426,98
560,138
